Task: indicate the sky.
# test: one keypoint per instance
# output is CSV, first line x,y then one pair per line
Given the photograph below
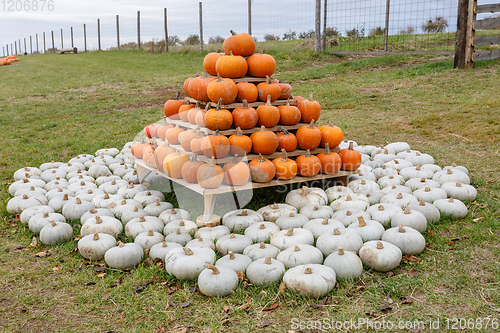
x,y
219,16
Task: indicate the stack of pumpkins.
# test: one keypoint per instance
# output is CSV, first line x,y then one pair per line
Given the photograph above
x,y
270,125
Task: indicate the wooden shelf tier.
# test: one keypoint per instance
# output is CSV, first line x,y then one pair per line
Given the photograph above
x,y
249,79
235,105
341,176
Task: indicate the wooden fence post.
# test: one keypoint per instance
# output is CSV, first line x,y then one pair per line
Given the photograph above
x,y
386,32
62,39
20,48
15,45
469,50
85,37
53,46
318,27
31,45
138,30
37,51
324,25
3,51
166,30
72,41
250,17
44,44
25,48
463,58
99,34
201,26
118,32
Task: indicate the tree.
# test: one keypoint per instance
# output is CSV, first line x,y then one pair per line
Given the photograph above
x,y
192,40
270,37
439,24
378,31
290,35
331,32
174,40
216,40
307,34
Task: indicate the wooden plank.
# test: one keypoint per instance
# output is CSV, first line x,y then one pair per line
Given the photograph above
x,y
489,8
390,52
232,131
250,79
235,105
486,55
487,23
486,40
248,186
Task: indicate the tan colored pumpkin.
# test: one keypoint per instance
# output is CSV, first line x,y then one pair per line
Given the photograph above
x,y
172,164
210,175
262,170
236,173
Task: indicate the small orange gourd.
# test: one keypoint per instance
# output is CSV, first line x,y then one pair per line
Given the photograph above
x,y
308,136
285,167
240,144
308,165
236,173
264,142
330,161
262,170
245,117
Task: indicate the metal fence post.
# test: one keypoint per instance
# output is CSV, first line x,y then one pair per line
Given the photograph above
x,y
44,44
99,34
386,33
138,30
166,30
37,50
118,32
62,40
85,37
25,48
31,45
72,41
318,27
250,17
53,46
201,26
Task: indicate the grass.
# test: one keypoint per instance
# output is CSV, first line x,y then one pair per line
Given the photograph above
x,y
57,106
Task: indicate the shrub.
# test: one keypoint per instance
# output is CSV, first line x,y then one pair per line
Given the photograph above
x,y
408,31
270,37
378,31
216,40
331,32
439,24
307,34
290,35
192,40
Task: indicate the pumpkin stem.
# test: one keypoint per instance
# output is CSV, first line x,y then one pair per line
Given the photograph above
x,y
212,162
231,255
451,200
308,153
244,212
207,107
53,223
25,197
401,229
380,246
187,251
348,198
177,232
308,270
422,202
407,210
289,232
232,236
136,209
361,222
291,214
219,103
96,236
296,248
311,97
98,220
311,125
304,191
341,251
142,219
348,213
182,223
284,157
336,231
327,149
324,222
25,180
78,201
45,215
262,245
262,226
427,189
238,131
351,145
267,261
232,32
268,101
151,232
380,207
106,196
120,244
214,269
315,208
399,196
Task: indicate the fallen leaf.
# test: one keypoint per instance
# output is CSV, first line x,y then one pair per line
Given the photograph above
x,y
225,322
171,290
282,288
244,307
99,269
246,284
17,218
407,300
78,237
385,308
41,254
101,275
451,242
484,280
265,323
326,300
430,233
272,307
261,294
479,219
148,262
241,275
226,308
56,268
412,272
160,265
34,242
360,287
483,205
13,231
89,283
193,288
185,304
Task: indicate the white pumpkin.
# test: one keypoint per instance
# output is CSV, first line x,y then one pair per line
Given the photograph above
x,y
390,180
74,209
291,237
179,237
57,192
451,207
367,229
365,149
273,212
380,255
429,210
363,185
416,172
95,212
52,174
417,158
124,256
201,242
112,186
32,211
78,186
25,183
233,242
157,207
409,240
300,254
383,213
94,246
346,264
149,197
265,271
395,189
417,183
430,194
351,201
80,178
188,263
105,225
410,218
348,216
130,191
261,250
262,231
405,153
312,280
56,232
398,147
32,191
142,224
234,261
105,179
292,220
398,164
55,184
38,221
123,171
362,175
71,167
118,208
239,220
212,233
317,211
385,156
50,165
335,192
400,199
27,172
132,213
320,226
185,225
374,163
304,196
217,281
17,205
346,238
174,214
88,194
460,191
384,171
148,239
82,158
374,196
454,167
107,151
98,170
160,250
77,173
449,175
104,200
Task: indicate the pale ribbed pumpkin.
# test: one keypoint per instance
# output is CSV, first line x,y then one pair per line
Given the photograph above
x,y
172,164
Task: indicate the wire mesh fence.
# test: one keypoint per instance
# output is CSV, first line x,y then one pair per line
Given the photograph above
x,y
347,26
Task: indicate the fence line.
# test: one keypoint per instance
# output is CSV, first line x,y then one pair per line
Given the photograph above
x,y
382,26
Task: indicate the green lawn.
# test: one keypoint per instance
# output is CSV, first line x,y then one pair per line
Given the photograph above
x,y
53,107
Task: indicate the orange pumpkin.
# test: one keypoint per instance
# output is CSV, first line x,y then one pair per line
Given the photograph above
x,y
245,117
261,65
268,88
351,159
192,113
210,60
190,168
287,140
172,135
137,149
289,114
231,66
309,109
298,100
240,144
171,107
269,115
195,144
183,111
286,90
262,170
236,173
264,142
331,134
247,91
218,118
160,153
210,175
216,145
308,165
172,164
239,44
224,89
148,155
162,131
308,136
185,86
198,87
330,161
285,167
185,139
